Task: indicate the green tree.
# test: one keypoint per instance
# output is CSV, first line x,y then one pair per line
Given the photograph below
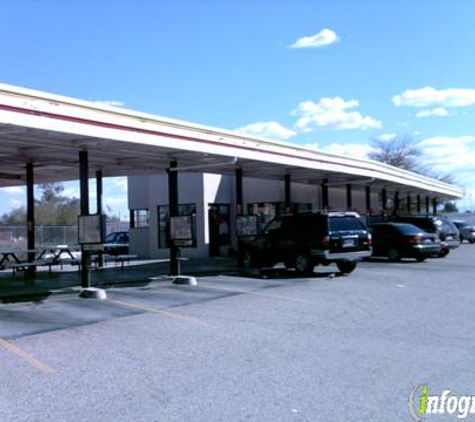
x,y
16,217
450,207
53,208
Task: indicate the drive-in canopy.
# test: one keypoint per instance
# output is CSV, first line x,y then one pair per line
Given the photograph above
x,y
49,131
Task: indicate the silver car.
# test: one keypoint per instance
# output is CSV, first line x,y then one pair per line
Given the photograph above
x,y
467,231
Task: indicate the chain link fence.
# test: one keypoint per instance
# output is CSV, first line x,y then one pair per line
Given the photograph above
x,y
16,236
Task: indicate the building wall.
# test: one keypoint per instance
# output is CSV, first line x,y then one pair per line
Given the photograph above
x,y
202,189
149,192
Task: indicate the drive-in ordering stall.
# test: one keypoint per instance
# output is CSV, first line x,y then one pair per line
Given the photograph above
x,y
46,137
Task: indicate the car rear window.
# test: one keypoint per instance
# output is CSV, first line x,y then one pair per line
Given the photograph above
x,y
346,223
424,223
408,229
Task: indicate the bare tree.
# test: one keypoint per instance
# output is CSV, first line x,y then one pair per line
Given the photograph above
x,y
405,153
400,152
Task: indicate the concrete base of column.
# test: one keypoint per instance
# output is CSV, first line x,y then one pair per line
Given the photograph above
x,y
93,293
185,280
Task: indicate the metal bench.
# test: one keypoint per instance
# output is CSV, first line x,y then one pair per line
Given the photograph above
x,y
25,266
122,259
116,259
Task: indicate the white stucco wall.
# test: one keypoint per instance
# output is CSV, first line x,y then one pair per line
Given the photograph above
x,y
148,192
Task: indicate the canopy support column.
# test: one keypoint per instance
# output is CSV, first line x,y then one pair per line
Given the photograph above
x,y
30,215
384,200
173,212
396,203
349,198
434,206
368,200
239,191
99,210
324,186
84,210
287,193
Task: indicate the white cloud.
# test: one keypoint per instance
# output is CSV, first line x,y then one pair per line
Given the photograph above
x,y
116,203
446,141
354,150
14,190
270,130
386,137
454,155
73,192
111,103
115,200
439,112
313,146
120,183
350,150
15,203
323,38
430,97
331,113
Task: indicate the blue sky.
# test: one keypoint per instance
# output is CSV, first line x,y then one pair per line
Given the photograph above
x,y
326,74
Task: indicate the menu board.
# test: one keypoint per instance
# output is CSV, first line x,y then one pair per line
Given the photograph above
x,y
91,229
181,230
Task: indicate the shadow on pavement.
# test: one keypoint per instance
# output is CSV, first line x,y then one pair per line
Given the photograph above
x,y
284,274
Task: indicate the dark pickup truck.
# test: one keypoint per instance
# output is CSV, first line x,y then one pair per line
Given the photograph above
x,y
303,241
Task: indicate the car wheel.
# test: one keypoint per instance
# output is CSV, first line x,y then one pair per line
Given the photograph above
x,y
289,263
394,255
303,264
346,267
472,241
420,258
443,253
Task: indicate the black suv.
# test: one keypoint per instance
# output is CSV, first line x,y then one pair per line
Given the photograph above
x,y
446,231
305,240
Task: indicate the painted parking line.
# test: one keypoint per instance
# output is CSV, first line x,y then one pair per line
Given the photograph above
x,y
252,292
175,315
40,366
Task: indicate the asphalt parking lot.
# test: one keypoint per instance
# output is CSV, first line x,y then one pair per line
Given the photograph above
x,y
274,348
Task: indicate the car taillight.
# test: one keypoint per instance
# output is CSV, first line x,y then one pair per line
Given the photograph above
x,y
370,239
414,240
326,242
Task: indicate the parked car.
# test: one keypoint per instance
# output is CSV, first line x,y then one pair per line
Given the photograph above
x,y
401,240
303,241
467,231
117,243
446,231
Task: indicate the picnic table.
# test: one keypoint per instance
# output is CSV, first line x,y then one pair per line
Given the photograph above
x,y
11,255
57,252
